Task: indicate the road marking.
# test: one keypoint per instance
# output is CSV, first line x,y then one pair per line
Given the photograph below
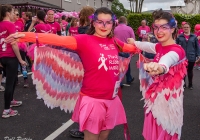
x,y
27,73
59,130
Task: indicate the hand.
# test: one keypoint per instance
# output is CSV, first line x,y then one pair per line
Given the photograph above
x,y
198,61
34,20
198,37
13,38
23,63
131,41
153,68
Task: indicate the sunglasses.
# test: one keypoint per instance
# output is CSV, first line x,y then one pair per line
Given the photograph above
x,y
104,23
163,27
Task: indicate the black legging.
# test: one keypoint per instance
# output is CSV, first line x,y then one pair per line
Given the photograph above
x,y
23,56
190,72
10,64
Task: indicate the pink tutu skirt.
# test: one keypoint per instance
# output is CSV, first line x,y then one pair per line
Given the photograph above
x,y
30,51
22,46
96,115
151,131
31,48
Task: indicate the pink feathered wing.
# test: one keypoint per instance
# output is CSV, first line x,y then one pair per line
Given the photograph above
x,y
58,75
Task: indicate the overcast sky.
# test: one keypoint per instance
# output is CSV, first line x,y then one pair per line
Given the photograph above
x,y
155,4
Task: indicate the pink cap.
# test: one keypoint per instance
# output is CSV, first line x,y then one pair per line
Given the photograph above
x,y
197,27
183,23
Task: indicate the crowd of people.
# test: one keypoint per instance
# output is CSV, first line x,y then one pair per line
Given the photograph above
x,y
173,53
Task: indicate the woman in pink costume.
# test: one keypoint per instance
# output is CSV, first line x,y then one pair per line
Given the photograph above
x,y
162,81
98,109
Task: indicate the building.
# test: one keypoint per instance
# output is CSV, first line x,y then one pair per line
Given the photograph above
x,y
56,5
76,5
32,5
190,7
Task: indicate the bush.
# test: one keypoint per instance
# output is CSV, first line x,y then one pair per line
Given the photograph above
x,y
134,20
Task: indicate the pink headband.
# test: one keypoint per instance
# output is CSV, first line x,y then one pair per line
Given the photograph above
x,y
50,11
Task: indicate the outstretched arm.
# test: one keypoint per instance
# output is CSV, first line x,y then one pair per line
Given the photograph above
x,y
123,47
144,46
64,41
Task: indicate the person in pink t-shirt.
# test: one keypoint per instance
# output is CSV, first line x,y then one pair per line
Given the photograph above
x,y
55,26
38,25
9,58
143,30
64,23
98,109
73,30
18,23
22,46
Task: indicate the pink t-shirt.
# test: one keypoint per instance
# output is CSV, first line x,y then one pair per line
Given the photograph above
x,y
101,65
43,28
142,31
73,31
186,37
6,28
180,31
55,27
19,26
64,24
160,51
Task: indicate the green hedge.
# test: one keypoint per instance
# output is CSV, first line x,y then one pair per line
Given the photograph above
x,y
134,20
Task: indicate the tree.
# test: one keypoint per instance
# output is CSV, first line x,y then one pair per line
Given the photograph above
x,y
118,8
136,5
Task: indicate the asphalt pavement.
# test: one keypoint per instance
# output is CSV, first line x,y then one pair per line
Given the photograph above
x,y
36,121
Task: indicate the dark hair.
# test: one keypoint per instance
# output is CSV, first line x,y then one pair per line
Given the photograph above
x,y
41,15
122,19
102,10
69,19
3,10
63,17
160,14
84,15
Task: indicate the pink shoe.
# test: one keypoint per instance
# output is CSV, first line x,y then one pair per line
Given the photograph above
x,y
11,113
15,103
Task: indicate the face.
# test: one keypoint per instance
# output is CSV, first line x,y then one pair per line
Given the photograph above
x,y
143,23
16,15
23,15
11,15
162,30
103,25
186,28
75,22
50,16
